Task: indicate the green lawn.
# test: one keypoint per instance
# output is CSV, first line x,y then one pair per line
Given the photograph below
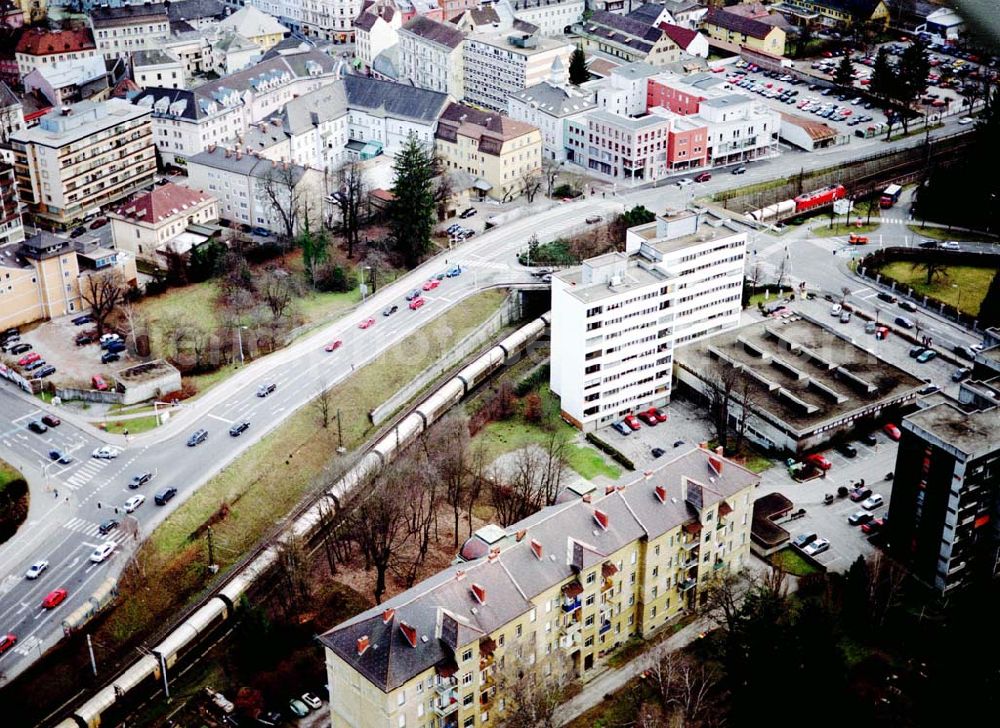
x,y
498,438
840,228
7,474
765,297
134,425
939,233
792,562
963,286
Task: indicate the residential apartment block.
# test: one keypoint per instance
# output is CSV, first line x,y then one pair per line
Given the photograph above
x,y
430,56
499,64
735,31
154,220
376,30
11,222
617,319
946,491
327,19
499,152
39,47
258,192
629,39
553,596
129,28
552,17
81,157
836,13
187,122
550,106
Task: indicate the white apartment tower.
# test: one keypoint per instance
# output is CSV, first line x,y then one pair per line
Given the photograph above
x,y
617,318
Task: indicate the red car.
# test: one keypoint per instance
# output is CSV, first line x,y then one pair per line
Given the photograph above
x,y
649,419
51,420
416,303
334,345
892,431
7,641
632,422
366,324
657,413
431,285
54,599
28,358
873,526
818,461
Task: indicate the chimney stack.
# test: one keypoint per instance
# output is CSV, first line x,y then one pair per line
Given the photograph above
x,y
536,548
387,615
716,464
362,645
410,633
602,519
586,498
494,553
521,534
479,593
661,493
459,574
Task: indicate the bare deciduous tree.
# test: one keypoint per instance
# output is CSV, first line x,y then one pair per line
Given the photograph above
x,y
323,403
550,173
532,700
378,524
453,464
351,199
682,684
277,288
102,292
295,572
531,182
285,195
723,597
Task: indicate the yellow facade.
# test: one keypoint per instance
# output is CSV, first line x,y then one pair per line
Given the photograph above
x,y
773,43
41,289
567,630
838,16
504,167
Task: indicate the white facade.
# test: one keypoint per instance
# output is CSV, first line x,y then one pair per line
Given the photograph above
x,y
739,128
495,68
382,34
617,319
431,65
115,40
326,19
552,17
550,108
163,72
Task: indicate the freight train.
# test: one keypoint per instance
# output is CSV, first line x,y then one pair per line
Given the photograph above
x,y
221,606
805,202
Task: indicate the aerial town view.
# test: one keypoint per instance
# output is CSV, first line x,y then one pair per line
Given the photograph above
x,y
499,363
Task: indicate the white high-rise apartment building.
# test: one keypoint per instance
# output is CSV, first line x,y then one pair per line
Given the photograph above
x,y
499,64
617,319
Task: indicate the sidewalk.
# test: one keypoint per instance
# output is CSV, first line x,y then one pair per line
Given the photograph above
x,y
615,679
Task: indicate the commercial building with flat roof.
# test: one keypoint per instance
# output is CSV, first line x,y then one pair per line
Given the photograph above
x,y
617,319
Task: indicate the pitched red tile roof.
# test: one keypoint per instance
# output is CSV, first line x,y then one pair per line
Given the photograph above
x,y
40,42
681,36
162,203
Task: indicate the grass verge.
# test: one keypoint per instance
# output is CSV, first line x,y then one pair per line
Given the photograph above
x,y
791,562
242,502
940,233
135,425
962,286
842,229
8,473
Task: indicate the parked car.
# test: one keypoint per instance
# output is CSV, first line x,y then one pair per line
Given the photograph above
x,y
334,345
803,540
916,351
54,598
875,525
98,383
818,460
58,456
37,364
592,219
417,303
887,297
632,422
454,271
20,349
703,177
81,320
99,223
197,437
859,517
835,309
412,294
134,502
847,450
869,438
872,502
904,322
164,496
312,701
468,212
116,347
140,480
83,340
929,389
37,427
390,310
908,305
28,359
961,373
859,494
684,182
367,323
926,355
239,428
102,552
431,284
845,317
816,547
657,452
892,431
105,452
298,708
621,428
107,526
7,641
265,389
110,356
648,419
951,245
740,170
35,570
51,420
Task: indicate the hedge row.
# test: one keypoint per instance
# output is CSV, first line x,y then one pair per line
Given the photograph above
x,y
533,381
610,450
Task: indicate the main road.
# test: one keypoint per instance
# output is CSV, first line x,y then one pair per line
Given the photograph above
x,y
69,502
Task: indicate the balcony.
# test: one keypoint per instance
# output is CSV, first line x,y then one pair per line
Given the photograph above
x,y
570,642
570,605
686,585
691,546
446,685
605,627
718,565
446,704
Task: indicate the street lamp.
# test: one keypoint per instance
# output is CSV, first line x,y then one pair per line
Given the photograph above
x,y
239,336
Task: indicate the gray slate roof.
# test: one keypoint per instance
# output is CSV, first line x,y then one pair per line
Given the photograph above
x,y
386,63
623,30
517,574
245,164
443,34
555,101
106,17
397,100
195,10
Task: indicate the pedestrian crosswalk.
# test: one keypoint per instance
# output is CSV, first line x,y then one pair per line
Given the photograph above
x,y
85,473
91,529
